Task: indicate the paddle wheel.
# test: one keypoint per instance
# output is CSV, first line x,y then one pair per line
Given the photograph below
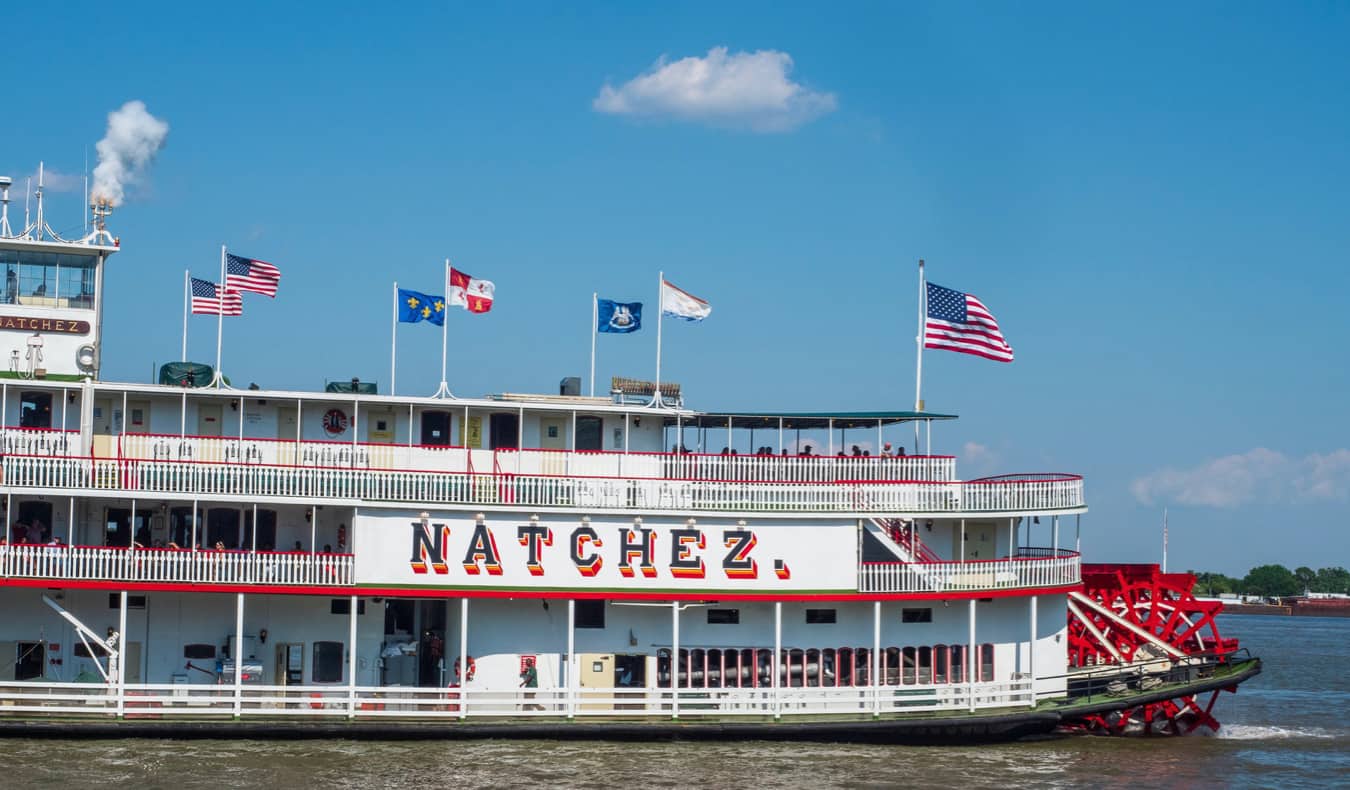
x,y
1137,617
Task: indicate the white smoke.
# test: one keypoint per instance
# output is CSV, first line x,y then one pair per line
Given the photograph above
x,y
134,137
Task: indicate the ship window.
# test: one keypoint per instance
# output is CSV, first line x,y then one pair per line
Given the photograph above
x,y
724,616
916,615
133,601
35,410
199,652
344,606
327,662
81,651
820,616
590,614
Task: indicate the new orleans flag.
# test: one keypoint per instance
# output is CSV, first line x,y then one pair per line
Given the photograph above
x,y
414,307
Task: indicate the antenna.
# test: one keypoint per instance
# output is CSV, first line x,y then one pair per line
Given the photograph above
x,y
27,190
39,200
1164,562
5,232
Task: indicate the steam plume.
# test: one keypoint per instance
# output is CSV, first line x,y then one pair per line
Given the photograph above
x,y
134,137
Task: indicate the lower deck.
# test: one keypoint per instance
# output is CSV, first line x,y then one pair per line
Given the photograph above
x,y
399,658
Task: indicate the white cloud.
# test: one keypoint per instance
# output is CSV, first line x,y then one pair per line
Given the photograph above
x,y
977,459
741,90
54,180
1256,477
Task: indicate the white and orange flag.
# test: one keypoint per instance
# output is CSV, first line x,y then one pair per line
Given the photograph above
x,y
469,292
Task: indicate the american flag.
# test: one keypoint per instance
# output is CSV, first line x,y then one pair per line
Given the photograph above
x,y
959,322
247,274
210,299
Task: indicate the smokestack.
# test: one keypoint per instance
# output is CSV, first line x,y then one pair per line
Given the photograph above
x,y
133,139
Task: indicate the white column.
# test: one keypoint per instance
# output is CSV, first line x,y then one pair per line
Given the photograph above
x,y
313,528
1078,533
876,658
675,659
571,658
1031,652
972,661
351,661
777,658
1012,537
122,656
238,654
463,656
1054,537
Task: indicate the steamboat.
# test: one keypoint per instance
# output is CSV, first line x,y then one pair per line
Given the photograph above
x,y
184,558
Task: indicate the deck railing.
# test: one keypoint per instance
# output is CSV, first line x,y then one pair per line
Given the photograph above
x,y
182,566
1057,568
163,700
538,490
668,466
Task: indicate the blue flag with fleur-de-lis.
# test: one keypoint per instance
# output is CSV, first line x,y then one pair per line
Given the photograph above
x,y
414,307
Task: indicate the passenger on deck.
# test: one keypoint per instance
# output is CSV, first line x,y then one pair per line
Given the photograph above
x,y
857,453
886,450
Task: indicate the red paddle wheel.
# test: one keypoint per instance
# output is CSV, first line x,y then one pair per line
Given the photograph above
x,y
1138,616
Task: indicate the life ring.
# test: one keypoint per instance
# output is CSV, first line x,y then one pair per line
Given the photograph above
x,y
469,671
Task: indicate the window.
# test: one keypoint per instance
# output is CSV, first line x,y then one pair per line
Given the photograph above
x,y
199,652
590,614
48,279
327,662
820,616
916,615
35,410
344,606
724,616
81,651
133,601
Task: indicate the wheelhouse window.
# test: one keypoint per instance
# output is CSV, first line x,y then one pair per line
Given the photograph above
x,y
48,279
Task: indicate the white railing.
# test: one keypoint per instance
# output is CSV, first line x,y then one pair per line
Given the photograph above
x,y
487,488
391,457
52,443
1054,570
183,566
160,700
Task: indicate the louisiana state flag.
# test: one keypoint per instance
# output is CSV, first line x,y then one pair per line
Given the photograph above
x,y
414,306
620,317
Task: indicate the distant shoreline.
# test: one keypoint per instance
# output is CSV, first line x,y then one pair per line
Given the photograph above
x,y
1300,608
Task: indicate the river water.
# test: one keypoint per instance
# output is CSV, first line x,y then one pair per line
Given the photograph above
x,y
1287,729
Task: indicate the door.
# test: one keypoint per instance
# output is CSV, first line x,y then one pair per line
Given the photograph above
x,y
117,531
979,543
435,428
552,433
504,431
596,671
290,664
133,666
209,419
630,672
107,423
138,416
380,426
590,434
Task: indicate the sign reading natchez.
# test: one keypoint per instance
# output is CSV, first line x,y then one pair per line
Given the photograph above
x,y
524,551
31,324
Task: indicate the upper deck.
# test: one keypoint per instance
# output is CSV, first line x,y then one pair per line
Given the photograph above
x,y
110,440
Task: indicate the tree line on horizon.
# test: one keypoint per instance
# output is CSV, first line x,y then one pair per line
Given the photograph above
x,y
1275,581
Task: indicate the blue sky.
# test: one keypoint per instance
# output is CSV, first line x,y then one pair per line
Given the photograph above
x,y
1150,198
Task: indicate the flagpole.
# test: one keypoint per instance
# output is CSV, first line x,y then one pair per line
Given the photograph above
x,y
918,353
595,325
660,309
445,390
220,314
393,341
186,290
1164,562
